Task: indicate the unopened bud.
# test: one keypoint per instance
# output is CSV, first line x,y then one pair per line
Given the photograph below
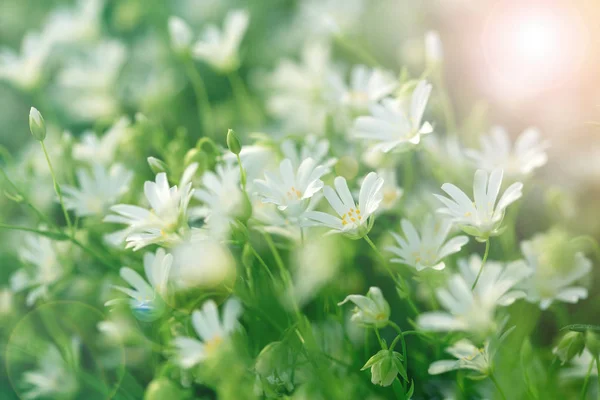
x,y
156,165
37,124
233,142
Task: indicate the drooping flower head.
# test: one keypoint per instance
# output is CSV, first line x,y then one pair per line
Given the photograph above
x,y
467,356
354,220
371,310
482,216
428,249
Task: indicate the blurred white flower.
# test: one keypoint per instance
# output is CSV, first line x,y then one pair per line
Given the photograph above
x,y
97,191
326,17
80,24
353,221
180,33
6,302
428,249
220,48
391,125
278,222
41,254
474,311
367,87
385,366
391,191
434,50
167,220
556,270
101,150
147,297
311,147
256,159
291,190
480,217
528,153
25,70
371,310
579,366
212,330
53,378
467,355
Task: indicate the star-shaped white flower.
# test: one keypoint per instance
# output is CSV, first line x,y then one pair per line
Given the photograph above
x,y
367,87
482,216
428,249
392,126
468,356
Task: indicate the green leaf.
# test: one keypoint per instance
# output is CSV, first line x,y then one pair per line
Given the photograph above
x,y
581,328
400,366
376,358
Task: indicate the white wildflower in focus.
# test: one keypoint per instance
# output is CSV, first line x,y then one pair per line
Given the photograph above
x,y
25,70
180,33
53,378
102,149
290,190
220,48
147,297
79,24
222,198
434,50
367,87
474,311
428,249
86,87
211,329
299,91
497,151
354,221
392,193
370,310
467,355
202,262
166,222
311,147
393,125
97,191
557,268
43,268
482,216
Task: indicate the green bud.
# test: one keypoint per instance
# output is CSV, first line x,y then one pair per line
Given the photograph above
x,y
592,343
233,142
569,346
37,126
385,367
156,165
162,388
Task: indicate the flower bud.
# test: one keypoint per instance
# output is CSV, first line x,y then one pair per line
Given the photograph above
x,y
569,346
37,126
180,34
156,165
434,53
592,342
384,367
372,309
233,142
162,388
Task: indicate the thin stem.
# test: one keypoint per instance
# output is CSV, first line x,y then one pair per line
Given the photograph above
x,y
485,256
24,199
58,190
493,379
358,51
402,342
276,255
597,358
379,339
262,262
242,173
446,103
586,382
202,99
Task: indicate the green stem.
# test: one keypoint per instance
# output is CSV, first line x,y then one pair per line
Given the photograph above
x,y
402,342
446,103
493,379
597,358
261,261
202,100
58,190
14,187
283,271
379,339
485,256
359,52
242,173
586,382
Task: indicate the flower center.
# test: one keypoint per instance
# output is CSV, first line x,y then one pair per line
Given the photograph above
x,y
293,193
352,217
212,344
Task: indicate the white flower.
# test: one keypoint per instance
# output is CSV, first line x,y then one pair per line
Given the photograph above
x,y
220,48
434,50
367,87
371,310
528,153
428,249
556,270
480,217
147,297
180,34
166,222
578,369
467,355
97,191
391,191
211,329
102,149
279,222
79,24
311,147
53,378
353,220
25,70
326,17
474,311
391,125
291,190
40,253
